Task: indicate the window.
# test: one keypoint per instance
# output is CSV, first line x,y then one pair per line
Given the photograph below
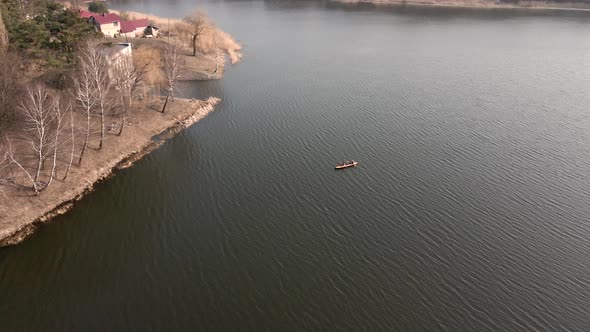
x,y
116,24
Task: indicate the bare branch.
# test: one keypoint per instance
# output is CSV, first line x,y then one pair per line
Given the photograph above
x,y
126,78
10,154
172,70
92,87
59,110
195,25
37,119
94,64
73,140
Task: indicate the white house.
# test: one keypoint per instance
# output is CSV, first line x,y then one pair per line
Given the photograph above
x,y
109,24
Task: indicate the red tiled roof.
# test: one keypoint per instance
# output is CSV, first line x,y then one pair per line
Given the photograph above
x,y
106,18
128,26
85,14
101,18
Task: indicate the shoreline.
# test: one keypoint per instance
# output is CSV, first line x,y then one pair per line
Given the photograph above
x,y
536,6
181,114
209,39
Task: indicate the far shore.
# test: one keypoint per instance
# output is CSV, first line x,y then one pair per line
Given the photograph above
x,y
526,5
21,213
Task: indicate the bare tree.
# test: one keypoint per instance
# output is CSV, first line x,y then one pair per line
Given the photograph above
x,y
84,94
5,141
2,193
149,61
38,118
94,62
41,131
4,164
195,26
73,141
13,160
59,109
172,70
126,78
219,56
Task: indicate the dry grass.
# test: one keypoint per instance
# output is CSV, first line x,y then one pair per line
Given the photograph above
x,y
149,57
148,50
206,43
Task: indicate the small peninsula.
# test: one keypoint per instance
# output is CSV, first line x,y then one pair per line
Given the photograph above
x,y
91,97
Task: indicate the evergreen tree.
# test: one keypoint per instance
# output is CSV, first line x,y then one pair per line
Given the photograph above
x,y
98,7
47,31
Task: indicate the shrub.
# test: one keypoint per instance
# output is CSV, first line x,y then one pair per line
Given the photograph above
x,y
98,7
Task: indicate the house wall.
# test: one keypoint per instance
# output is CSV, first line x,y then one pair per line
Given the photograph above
x,y
110,29
139,31
136,33
119,55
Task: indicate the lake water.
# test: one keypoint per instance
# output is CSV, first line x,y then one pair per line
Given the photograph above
x,y
470,209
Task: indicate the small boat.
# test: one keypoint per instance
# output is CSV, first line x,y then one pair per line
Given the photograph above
x,y
347,164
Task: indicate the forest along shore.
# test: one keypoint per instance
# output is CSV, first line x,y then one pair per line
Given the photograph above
x,y
21,214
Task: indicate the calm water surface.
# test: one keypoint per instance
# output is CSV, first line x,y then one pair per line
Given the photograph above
x,y
470,209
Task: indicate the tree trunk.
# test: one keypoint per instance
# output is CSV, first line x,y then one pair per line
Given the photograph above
x,y
11,170
165,103
194,45
122,125
73,145
59,118
101,129
86,138
26,173
39,163
54,158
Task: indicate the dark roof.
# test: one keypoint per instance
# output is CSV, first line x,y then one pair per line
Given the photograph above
x,y
128,26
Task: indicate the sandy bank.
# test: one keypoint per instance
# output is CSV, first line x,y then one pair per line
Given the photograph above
x,y
21,213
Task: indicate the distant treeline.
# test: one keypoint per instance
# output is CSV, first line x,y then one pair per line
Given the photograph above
x,y
561,2
549,4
